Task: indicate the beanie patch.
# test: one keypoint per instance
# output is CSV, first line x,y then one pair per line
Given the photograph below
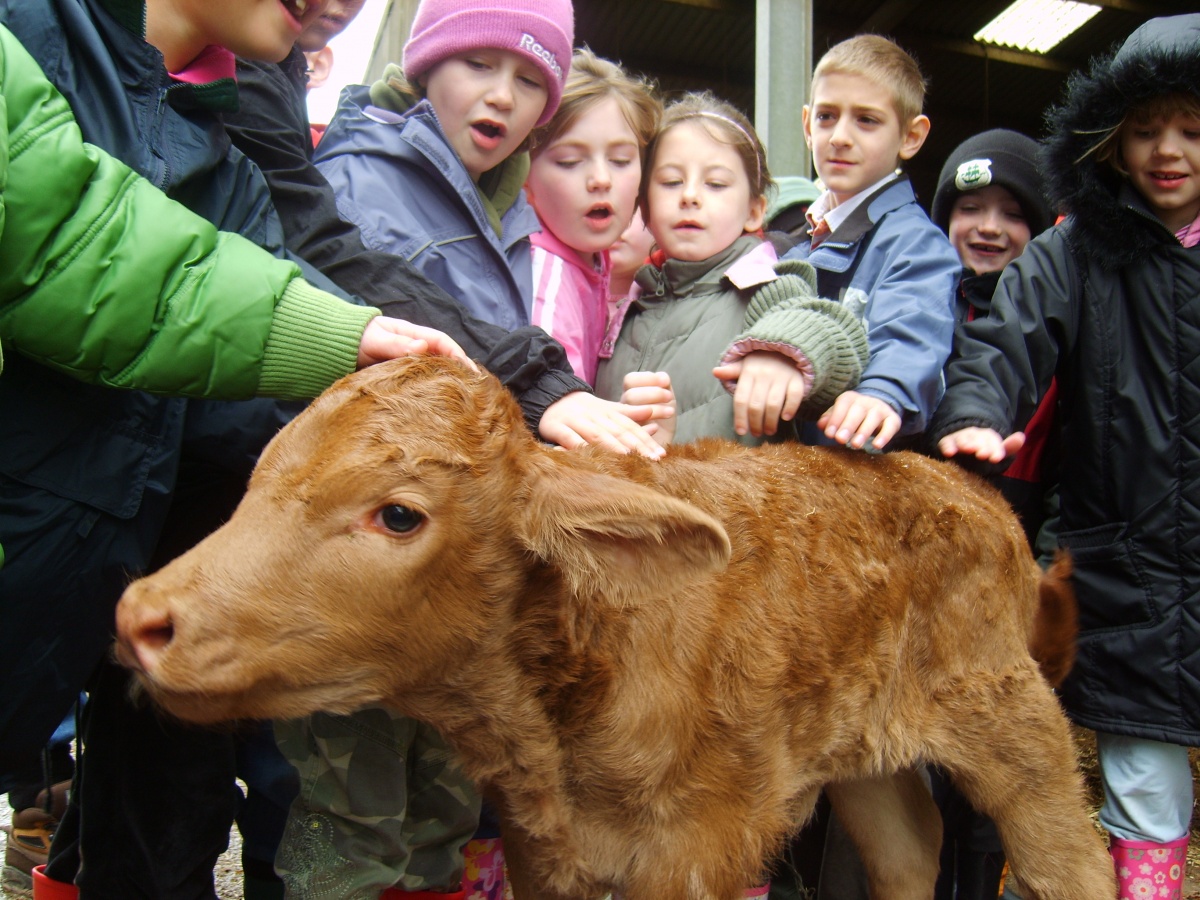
x,y
973,175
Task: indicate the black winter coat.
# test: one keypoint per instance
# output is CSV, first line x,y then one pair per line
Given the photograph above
x,y
1110,302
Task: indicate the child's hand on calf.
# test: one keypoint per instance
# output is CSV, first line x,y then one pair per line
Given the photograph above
x,y
854,419
653,390
769,389
580,418
387,338
982,443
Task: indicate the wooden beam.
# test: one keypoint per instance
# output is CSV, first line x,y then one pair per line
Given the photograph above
x,y
1000,54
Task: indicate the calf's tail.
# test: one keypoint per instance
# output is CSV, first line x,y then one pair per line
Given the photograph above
x,y
1056,623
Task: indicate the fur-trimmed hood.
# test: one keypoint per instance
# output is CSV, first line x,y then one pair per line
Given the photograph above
x,y
1160,57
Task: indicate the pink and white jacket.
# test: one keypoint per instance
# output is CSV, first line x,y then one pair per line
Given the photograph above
x,y
570,300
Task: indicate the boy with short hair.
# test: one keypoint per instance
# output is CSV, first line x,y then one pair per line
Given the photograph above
x,y
873,247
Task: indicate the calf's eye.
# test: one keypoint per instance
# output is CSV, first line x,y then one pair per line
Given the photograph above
x,y
399,519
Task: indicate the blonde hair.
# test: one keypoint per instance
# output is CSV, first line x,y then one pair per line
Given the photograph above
x,y
724,123
1164,106
883,61
592,80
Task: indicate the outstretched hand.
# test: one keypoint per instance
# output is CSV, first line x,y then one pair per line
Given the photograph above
x,y
856,419
769,390
982,443
580,418
387,338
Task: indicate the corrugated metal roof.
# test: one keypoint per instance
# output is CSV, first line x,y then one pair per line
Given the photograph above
x,y
695,44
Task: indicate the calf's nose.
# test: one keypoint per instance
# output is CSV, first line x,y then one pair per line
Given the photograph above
x,y
144,632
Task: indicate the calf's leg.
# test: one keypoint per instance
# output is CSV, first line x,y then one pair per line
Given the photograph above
x,y
897,830
1016,763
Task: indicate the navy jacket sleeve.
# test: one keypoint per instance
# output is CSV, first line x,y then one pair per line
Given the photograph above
x,y
1003,363
271,128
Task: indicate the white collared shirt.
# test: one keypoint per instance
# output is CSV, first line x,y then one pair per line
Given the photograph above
x,y
826,206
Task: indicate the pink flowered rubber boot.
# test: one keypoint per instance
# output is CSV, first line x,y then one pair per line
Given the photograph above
x,y
483,874
1149,871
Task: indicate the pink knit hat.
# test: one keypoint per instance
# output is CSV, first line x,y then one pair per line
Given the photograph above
x,y
542,30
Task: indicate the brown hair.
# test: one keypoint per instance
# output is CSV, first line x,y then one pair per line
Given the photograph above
x,y
1108,148
883,61
592,80
725,123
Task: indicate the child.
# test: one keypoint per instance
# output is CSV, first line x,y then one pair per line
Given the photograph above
x,y
586,165
271,128
871,244
626,256
1107,300
440,182
92,479
990,202
703,198
788,209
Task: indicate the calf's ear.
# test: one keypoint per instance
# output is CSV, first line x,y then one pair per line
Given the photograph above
x,y
619,540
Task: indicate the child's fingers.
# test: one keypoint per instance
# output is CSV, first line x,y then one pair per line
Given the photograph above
x,y
773,410
618,433
850,423
792,400
388,338
643,396
872,427
643,413
646,379
888,430
833,417
1013,443
729,371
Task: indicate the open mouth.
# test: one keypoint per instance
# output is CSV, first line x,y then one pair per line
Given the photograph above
x,y
1167,178
987,248
295,8
489,130
601,215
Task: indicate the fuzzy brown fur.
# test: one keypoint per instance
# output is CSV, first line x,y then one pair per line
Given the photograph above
x,y
653,666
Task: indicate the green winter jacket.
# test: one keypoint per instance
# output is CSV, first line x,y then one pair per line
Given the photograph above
x,y
691,316
102,276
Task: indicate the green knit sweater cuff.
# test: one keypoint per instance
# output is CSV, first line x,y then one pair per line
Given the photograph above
x,y
819,332
797,281
313,342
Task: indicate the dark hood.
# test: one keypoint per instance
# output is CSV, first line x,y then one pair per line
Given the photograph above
x,y
1109,221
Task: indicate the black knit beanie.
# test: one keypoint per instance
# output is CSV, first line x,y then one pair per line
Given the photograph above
x,y
999,156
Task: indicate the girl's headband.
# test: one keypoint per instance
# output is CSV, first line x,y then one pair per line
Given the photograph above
x,y
750,139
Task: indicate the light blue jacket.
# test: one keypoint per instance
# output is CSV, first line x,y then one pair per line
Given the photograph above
x,y
398,179
899,273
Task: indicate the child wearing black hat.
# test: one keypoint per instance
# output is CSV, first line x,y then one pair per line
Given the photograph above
x,y
990,203
989,199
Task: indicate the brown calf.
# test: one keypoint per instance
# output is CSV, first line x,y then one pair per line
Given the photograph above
x,y
654,667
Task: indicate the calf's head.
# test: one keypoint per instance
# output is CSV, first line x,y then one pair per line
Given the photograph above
x,y
384,537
